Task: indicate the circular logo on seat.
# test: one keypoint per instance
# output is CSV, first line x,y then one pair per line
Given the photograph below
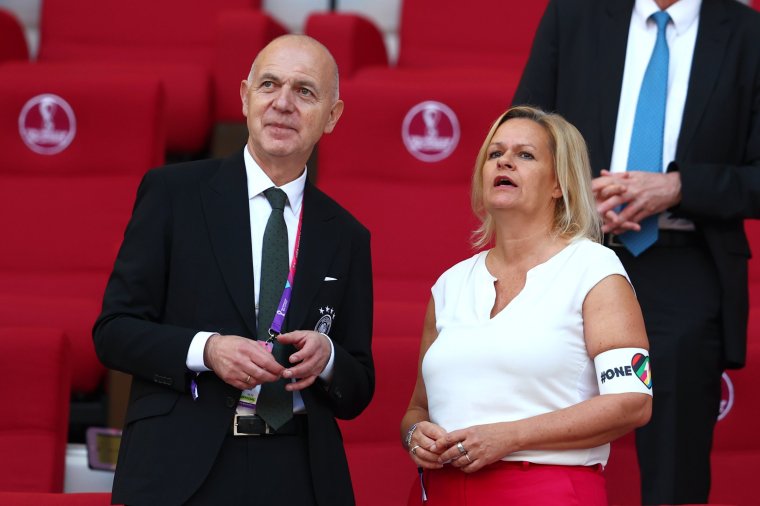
x,y
430,131
726,397
47,124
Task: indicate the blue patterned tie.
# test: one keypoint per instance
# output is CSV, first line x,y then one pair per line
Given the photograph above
x,y
645,152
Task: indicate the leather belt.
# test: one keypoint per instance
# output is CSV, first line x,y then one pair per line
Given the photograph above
x,y
254,425
665,237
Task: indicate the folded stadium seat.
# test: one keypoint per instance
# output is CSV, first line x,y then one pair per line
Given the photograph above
x,y
41,499
622,473
35,408
12,40
736,446
381,471
74,149
172,39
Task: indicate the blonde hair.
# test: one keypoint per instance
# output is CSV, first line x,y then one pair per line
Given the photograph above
x,y
575,213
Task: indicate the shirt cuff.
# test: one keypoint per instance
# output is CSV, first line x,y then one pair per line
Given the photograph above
x,y
327,374
195,352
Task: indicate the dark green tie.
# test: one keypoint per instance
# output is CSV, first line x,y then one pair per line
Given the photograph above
x,y
275,404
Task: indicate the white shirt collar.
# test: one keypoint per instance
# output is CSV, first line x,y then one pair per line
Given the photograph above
x,y
683,13
258,181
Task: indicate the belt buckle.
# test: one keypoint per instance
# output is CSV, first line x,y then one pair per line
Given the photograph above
x,y
267,429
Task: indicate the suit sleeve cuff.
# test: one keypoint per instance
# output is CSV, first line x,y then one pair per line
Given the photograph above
x,y
327,374
195,352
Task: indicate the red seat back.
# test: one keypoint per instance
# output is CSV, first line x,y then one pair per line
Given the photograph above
x,y
492,33
736,447
380,469
12,40
67,210
174,40
74,149
38,499
34,412
170,31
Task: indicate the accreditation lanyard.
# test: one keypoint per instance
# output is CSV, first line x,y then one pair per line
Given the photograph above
x,y
282,308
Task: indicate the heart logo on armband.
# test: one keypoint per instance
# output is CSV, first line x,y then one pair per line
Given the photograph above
x,y
640,364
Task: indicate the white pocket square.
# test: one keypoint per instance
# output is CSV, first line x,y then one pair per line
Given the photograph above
x,y
328,278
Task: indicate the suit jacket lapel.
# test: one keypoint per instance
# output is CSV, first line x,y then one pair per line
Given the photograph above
x,y
612,42
712,39
225,205
319,239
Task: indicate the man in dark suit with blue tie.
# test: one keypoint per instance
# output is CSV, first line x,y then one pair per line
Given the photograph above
x,y
239,276
676,218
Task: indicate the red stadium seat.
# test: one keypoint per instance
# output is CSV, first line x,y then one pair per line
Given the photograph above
x,y
34,411
736,446
381,471
74,149
454,33
175,40
622,473
40,499
355,42
12,41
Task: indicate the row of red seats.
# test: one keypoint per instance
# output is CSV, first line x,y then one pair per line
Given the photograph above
x,y
199,50
74,149
408,138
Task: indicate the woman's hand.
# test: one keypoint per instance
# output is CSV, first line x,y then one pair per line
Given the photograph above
x,y
475,447
423,448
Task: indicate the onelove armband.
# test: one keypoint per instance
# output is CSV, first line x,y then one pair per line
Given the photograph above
x,y
623,370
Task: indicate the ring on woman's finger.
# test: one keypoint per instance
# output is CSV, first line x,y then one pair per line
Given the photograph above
x,y
467,455
461,449
248,379
413,450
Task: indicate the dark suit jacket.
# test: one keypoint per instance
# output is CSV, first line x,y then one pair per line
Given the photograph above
x,y
576,69
185,266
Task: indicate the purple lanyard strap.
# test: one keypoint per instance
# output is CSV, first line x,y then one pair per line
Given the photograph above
x,y
282,308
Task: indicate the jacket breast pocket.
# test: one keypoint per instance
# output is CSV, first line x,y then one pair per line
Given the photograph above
x,y
326,305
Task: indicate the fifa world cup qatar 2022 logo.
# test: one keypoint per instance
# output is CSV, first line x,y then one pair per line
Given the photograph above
x,y
47,124
430,131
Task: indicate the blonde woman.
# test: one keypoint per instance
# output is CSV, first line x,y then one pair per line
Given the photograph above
x,y
534,354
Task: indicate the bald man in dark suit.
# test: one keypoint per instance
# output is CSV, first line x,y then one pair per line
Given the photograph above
x,y
181,308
